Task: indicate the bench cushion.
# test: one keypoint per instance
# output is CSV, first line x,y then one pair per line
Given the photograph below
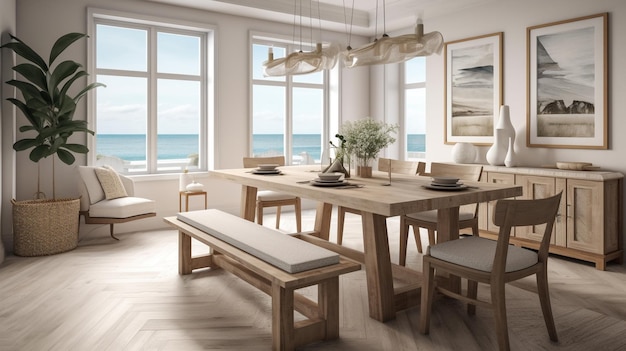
x,y
280,250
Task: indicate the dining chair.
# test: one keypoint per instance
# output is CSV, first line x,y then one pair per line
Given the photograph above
x,y
270,198
384,165
468,214
482,260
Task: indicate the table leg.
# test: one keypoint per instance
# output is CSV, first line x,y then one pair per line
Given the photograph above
x,y
448,229
248,202
322,220
378,267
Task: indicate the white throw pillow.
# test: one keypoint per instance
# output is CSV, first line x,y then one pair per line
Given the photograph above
x,y
111,183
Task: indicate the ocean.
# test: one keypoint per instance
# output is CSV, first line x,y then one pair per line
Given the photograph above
x,y
132,147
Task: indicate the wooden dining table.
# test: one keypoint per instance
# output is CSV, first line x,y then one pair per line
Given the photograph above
x,y
390,287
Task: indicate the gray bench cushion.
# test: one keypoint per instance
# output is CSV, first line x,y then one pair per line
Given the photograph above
x,y
281,250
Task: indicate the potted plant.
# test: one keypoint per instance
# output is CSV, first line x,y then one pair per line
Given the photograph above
x,y
364,139
41,226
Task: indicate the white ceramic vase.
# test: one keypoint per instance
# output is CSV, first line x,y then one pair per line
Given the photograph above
x,y
511,157
184,180
464,153
503,132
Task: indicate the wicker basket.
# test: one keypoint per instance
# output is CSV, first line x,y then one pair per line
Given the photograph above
x,y
45,227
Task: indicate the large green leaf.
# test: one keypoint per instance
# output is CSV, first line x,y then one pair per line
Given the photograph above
x,y
78,148
25,144
71,81
33,73
87,88
39,152
37,122
66,156
62,43
60,73
28,90
26,52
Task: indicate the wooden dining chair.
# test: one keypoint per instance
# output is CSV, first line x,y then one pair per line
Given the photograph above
x,y
384,165
468,214
270,198
482,260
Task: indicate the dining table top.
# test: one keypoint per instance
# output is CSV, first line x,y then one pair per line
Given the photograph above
x,y
406,194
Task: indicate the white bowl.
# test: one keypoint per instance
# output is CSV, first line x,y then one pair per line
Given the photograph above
x,y
268,166
330,176
445,180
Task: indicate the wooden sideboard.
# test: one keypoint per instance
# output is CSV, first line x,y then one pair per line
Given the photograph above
x,y
589,225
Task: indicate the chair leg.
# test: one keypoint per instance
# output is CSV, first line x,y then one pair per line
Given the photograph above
x,y
475,231
298,209
278,208
259,213
472,293
544,299
404,239
341,216
112,234
418,239
428,288
431,237
498,301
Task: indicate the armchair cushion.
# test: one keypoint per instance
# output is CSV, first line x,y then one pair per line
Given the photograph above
x,y
122,207
111,183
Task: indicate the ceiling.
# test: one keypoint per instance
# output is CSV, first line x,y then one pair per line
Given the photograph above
x,y
337,14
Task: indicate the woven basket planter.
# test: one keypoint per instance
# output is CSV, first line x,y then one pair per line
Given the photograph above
x,y
45,227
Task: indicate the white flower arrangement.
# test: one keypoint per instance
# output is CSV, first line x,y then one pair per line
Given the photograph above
x,y
366,137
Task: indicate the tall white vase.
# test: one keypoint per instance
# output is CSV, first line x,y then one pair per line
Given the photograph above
x,y
503,132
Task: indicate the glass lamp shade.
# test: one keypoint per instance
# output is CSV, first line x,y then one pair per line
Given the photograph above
x,y
302,62
395,49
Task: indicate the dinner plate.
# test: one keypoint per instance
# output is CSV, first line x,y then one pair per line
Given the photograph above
x,y
445,180
262,171
450,188
330,184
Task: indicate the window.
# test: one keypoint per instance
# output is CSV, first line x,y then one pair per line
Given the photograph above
x,y
415,107
289,114
152,117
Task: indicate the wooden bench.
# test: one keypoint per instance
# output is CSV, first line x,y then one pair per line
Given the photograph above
x,y
214,228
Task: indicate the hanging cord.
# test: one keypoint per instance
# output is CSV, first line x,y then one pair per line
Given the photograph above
x,y
376,23
295,13
319,21
384,18
345,21
300,25
311,23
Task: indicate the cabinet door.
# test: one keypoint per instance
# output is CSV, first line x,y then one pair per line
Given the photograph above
x,y
585,215
535,187
496,178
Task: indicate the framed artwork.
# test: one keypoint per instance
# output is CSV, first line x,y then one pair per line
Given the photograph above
x,y
473,92
567,84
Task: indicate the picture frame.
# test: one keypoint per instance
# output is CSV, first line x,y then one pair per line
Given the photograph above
x,y
567,81
473,88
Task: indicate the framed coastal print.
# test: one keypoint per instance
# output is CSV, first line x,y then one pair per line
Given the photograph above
x,y
567,84
473,92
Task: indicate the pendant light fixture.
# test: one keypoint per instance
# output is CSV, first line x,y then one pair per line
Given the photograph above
x,y
302,62
394,49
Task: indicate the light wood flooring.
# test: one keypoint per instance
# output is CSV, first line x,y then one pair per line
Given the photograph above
x,y
127,295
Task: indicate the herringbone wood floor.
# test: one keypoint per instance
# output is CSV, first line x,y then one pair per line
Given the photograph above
x,y
127,295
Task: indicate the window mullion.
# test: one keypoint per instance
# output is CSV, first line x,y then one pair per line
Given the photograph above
x,y
152,157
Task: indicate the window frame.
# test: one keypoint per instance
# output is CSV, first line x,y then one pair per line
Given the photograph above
x,y
207,79
330,79
403,102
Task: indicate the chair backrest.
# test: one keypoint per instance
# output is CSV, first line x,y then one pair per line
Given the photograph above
x,y
397,166
464,172
252,162
514,213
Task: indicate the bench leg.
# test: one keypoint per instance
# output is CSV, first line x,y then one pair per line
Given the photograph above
x,y
184,253
282,318
328,304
